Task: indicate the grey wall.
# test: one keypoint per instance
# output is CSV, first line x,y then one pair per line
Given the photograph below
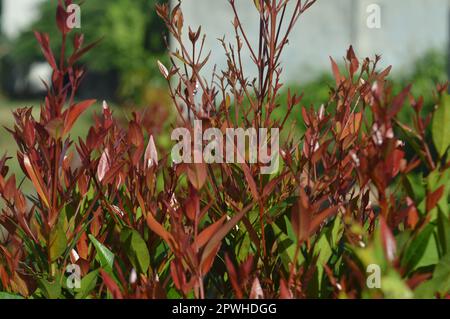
x,y
409,28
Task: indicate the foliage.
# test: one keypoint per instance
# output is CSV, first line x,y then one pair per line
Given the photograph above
x,y
428,70
346,195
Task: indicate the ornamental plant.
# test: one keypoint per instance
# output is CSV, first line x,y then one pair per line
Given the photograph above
x,y
348,214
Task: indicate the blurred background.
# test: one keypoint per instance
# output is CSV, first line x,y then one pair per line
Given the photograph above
x,y
413,36
122,68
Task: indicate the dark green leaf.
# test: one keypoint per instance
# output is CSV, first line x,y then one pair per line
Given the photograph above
x,y
50,289
136,249
417,247
88,284
104,256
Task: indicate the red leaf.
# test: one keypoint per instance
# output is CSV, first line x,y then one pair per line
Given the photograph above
x,y
197,174
285,292
223,231
82,246
174,275
10,188
79,53
398,101
158,229
320,218
301,217
135,135
433,198
192,205
385,73
413,216
44,42
233,277
61,18
208,261
111,285
336,72
250,181
418,279
36,179
354,63
72,114
78,41
394,162
203,238
270,186
352,126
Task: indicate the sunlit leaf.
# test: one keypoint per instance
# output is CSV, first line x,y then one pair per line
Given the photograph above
x,y
104,256
441,125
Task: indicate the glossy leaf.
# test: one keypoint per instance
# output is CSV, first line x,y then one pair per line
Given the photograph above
x,y
104,256
417,247
73,113
36,179
441,126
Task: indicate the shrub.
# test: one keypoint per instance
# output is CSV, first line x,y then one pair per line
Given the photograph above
x,y
345,200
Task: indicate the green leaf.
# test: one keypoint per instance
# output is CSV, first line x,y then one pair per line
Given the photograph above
x,y
336,232
426,290
440,283
441,126
442,275
443,232
290,230
286,247
323,250
88,284
5,295
104,256
415,186
136,249
417,248
57,239
51,289
402,239
394,287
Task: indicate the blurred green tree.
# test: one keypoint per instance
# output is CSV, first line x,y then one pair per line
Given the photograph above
x,y
132,41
